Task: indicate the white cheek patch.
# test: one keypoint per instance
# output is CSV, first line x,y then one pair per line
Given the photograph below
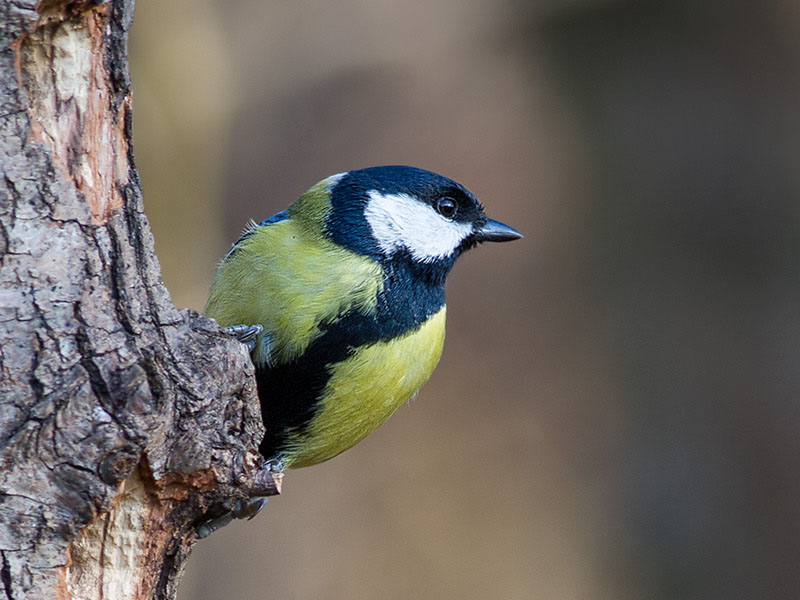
x,y
401,221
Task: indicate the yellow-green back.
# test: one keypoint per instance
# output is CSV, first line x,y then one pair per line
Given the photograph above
x,y
289,277
290,281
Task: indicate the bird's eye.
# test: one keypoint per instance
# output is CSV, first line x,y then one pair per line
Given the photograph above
x,y
446,207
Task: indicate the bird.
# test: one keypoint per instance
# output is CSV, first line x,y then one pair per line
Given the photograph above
x,y
341,298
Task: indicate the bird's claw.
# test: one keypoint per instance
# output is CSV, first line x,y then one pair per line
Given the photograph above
x,y
243,509
247,509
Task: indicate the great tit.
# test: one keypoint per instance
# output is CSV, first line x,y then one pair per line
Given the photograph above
x,y
348,288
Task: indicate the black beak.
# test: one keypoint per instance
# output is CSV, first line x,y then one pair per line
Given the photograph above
x,y
495,231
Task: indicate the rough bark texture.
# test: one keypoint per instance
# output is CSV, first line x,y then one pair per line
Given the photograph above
x,y
123,421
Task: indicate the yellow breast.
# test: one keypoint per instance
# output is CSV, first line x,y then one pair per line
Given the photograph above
x,y
365,389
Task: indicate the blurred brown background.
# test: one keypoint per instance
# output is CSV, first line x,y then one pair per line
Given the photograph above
x,y
617,412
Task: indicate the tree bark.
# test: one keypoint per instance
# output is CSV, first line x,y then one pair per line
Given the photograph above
x,y
123,421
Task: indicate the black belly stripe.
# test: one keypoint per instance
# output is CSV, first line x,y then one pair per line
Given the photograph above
x,y
290,392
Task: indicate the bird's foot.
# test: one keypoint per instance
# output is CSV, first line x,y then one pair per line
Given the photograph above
x,y
206,528
246,334
274,465
243,509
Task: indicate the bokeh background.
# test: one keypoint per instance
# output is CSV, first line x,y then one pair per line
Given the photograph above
x,y
617,412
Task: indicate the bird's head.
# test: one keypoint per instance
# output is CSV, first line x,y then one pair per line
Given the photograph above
x,y
397,214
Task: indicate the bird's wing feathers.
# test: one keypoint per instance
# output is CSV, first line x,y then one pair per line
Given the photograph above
x,y
251,227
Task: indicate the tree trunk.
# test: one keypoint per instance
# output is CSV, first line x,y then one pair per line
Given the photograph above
x,y
123,421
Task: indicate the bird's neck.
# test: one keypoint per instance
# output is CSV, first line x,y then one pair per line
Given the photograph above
x,y
412,292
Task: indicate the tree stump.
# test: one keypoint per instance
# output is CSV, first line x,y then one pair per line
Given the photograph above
x,y
123,421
